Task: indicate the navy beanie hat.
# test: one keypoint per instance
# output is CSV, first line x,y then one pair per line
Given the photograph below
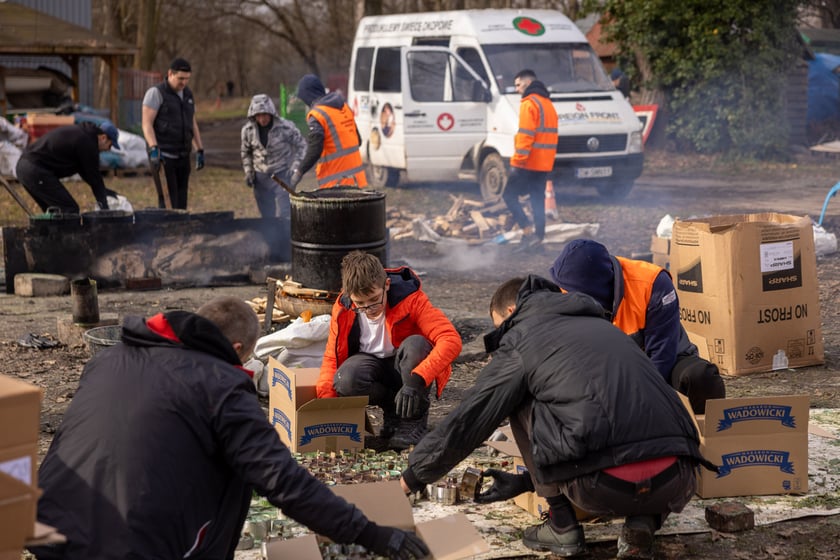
x,y
310,88
585,266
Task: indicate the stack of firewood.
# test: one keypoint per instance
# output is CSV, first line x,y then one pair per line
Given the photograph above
x,y
467,219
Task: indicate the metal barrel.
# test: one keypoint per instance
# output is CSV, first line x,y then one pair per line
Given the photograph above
x,y
329,224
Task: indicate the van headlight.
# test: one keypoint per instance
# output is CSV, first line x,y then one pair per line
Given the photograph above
x,y
635,145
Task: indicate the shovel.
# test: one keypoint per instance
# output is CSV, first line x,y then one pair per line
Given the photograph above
x,y
289,189
158,186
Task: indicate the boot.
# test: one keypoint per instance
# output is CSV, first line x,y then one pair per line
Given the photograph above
x,y
636,538
546,538
409,432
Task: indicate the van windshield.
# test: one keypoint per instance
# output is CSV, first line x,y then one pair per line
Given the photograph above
x,y
562,67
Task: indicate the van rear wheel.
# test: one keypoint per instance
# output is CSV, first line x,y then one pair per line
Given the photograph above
x,y
492,177
380,176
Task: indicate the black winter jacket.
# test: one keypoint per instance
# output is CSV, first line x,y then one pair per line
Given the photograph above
x,y
599,402
161,447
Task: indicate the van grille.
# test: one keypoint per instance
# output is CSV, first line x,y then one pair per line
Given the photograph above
x,y
577,144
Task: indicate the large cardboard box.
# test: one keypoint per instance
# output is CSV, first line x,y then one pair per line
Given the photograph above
x,y
306,423
760,445
449,538
747,286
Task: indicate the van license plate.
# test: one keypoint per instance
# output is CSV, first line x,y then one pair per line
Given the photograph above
x,y
591,172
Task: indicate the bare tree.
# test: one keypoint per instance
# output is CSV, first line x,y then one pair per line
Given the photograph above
x,y
147,28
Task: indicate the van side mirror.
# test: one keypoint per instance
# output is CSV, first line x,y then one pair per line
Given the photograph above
x,y
480,93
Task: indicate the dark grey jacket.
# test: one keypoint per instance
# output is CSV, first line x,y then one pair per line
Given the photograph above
x,y
162,446
599,402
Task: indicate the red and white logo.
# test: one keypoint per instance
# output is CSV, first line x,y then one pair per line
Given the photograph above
x,y
580,107
445,121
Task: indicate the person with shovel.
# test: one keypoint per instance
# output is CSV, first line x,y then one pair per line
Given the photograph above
x,y
165,443
333,141
270,145
171,132
595,422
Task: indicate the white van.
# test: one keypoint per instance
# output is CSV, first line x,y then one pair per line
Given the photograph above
x,y
433,96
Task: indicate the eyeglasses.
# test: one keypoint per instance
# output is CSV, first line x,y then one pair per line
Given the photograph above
x,y
373,306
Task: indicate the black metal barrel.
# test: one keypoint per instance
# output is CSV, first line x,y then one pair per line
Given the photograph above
x,y
329,223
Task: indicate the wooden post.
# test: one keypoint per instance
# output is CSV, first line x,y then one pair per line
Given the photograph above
x,y
271,284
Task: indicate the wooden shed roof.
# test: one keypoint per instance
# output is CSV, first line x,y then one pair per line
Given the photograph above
x,y
24,31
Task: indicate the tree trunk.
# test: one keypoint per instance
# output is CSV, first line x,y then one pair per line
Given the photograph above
x,y
147,26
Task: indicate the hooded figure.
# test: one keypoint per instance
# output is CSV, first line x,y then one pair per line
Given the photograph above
x,y
270,145
639,298
333,138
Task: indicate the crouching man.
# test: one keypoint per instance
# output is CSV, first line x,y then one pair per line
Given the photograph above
x,y
595,422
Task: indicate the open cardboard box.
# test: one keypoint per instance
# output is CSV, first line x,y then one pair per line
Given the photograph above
x,y
306,423
449,538
760,445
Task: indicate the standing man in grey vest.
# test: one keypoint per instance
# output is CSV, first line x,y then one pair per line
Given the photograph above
x,y
171,130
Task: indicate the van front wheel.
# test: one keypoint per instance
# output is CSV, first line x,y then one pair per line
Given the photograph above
x,y
492,177
380,176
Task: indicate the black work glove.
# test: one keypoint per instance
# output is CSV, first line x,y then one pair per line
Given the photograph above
x,y
391,542
250,179
109,192
412,400
102,204
505,486
199,160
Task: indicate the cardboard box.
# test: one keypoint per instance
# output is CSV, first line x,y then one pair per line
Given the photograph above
x,y
17,512
760,445
661,259
661,245
306,423
449,538
747,286
20,413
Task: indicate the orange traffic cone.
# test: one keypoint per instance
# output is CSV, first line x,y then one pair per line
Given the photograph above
x,y
550,202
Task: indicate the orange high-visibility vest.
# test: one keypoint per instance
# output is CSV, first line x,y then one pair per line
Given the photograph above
x,y
340,162
638,285
536,140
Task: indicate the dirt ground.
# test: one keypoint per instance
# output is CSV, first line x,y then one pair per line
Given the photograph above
x,y
460,279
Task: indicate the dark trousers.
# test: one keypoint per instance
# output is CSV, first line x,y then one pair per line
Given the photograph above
x,y
532,183
602,494
45,188
699,380
177,172
380,378
272,200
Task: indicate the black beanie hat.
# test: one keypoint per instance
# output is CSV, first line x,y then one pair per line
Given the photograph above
x,y
585,266
310,88
180,65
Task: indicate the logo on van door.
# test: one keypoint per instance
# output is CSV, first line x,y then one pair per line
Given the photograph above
x,y
528,26
445,121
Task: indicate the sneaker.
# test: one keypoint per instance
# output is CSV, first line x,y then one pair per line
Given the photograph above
x,y
544,537
409,432
635,542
